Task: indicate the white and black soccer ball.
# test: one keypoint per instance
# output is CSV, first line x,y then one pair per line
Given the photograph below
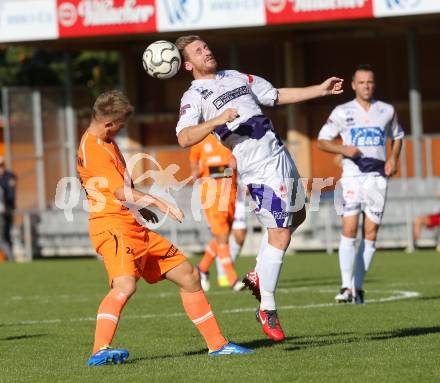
x,y
161,59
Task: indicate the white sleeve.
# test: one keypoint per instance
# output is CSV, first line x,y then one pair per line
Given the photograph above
x,y
190,111
332,128
395,131
265,93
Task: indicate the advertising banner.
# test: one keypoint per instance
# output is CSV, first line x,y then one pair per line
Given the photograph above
x,y
181,15
28,20
80,18
387,8
299,11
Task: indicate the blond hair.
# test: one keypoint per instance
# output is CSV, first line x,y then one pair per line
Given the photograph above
x,y
183,41
113,105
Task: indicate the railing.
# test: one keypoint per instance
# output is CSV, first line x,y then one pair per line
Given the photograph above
x,y
48,233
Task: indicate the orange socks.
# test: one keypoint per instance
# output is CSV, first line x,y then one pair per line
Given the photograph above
x,y
226,261
210,254
108,317
199,311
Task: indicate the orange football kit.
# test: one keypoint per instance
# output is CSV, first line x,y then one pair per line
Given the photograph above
x,y
213,161
127,248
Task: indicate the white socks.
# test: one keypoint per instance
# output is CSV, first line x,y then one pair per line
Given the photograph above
x,y
269,262
369,250
347,254
234,249
363,261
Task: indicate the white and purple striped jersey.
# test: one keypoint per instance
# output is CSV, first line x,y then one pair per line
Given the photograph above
x,y
263,163
367,130
206,99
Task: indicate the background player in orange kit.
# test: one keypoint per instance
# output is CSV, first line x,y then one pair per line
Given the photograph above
x,y
129,250
216,165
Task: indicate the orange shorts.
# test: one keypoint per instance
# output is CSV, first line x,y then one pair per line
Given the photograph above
x,y
142,254
219,219
220,222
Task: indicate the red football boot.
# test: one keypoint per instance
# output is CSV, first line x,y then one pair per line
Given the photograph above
x,y
271,325
252,282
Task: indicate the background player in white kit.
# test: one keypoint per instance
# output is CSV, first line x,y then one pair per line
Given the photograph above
x,y
226,103
364,125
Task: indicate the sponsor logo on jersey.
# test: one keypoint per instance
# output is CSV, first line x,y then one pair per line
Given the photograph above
x,y
207,147
222,100
222,74
280,214
350,121
250,78
205,93
283,190
170,252
371,136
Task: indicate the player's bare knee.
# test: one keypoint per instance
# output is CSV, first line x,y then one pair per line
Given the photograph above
x,y
280,238
240,236
195,276
349,231
190,277
126,285
128,289
370,235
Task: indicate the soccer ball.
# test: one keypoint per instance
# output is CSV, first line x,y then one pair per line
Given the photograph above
x,y
161,59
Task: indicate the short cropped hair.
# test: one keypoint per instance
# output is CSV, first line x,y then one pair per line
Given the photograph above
x,y
183,41
113,105
363,68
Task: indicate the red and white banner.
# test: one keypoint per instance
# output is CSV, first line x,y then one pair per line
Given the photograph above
x,y
300,11
81,18
183,15
27,20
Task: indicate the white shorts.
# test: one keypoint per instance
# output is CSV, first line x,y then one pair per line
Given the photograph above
x,y
272,178
365,193
240,209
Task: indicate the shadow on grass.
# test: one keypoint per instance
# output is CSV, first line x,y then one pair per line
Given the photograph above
x,y
404,333
299,343
347,338
433,298
253,344
168,356
308,282
314,282
21,337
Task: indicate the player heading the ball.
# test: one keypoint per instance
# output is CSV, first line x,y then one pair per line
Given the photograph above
x,y
227,104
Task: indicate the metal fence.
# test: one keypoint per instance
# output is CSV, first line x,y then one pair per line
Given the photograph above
x,y
41,146
50,233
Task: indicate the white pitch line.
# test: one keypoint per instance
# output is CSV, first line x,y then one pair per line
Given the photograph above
x,y
398,295
48,299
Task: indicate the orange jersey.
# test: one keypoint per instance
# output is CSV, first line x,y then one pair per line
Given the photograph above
x,y
211,156
102,170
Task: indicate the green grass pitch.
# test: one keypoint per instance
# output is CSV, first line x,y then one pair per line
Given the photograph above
x,y
48,309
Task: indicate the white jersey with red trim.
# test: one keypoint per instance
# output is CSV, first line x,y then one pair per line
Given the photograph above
x,y
206,99
367,130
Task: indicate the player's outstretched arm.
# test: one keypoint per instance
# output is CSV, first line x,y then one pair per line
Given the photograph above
x,y
333,147
194,134
331,86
